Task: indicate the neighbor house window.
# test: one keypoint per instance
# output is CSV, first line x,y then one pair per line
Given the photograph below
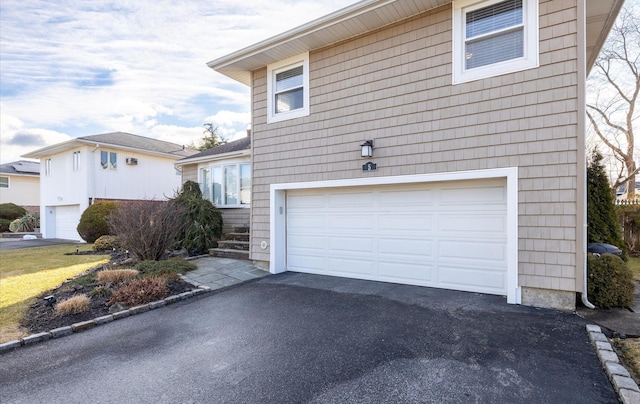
x,y
108,160
76,161
494,37
4,182
47,167
227,185
288,88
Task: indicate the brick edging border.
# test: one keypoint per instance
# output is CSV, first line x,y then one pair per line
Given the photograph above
x,y
620,378
85,325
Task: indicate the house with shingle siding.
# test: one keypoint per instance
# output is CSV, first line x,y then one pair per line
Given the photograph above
x,y
476,113
106,167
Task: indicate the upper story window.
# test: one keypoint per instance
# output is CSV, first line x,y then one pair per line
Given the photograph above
x,y
288,88
4,182
47,167
227,185
494,37
76,161
108,160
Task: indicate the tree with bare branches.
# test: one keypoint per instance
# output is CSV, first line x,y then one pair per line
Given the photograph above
x,y
613,87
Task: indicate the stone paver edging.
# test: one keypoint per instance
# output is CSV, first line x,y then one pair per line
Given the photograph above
x,y
85,325
621,380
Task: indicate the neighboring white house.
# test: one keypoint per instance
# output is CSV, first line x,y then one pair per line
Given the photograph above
x,y
110,166
20,184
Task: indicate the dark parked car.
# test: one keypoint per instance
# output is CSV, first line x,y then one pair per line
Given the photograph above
x,y
603,248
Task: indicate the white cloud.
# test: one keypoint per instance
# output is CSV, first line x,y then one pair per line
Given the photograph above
x,y
82,68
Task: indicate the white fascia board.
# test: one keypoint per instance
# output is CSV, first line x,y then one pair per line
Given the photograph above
x,y
214,157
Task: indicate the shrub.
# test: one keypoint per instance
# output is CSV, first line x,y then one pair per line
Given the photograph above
x,y
106,243
168,269
4,225
609,281
94,221
113,276
73,305
202,220
147,228
11,211
100,291
25,223
140,291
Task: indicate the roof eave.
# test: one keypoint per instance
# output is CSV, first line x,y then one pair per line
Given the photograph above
x,y
75,143
213,157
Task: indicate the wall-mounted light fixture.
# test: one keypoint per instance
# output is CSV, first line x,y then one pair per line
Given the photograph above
x,y
367,148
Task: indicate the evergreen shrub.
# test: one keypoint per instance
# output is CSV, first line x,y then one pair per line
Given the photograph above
x,y
94,221
610,281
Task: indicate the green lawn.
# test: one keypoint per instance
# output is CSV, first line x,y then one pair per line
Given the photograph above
x,y
27,272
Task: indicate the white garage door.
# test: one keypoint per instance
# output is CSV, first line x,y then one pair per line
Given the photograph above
x,y
67,219
445,235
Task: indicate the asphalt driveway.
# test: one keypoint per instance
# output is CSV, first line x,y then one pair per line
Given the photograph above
x,y
295,338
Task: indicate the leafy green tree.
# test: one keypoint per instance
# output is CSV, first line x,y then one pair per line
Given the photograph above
x,y
210,139
602,220
202,220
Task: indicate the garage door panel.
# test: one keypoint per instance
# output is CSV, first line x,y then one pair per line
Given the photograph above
x,y
472,279
350,266
473,250
447,235
415,273
352,245
406,247
405,223
66,222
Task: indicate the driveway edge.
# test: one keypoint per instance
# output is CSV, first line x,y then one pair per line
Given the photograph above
x,y
625,386
86,325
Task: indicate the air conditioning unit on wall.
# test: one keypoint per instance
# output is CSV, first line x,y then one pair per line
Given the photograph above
x,y
132,161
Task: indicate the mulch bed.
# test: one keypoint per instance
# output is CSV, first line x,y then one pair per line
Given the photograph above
x,y
43,317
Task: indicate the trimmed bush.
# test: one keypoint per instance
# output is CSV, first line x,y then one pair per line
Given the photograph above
x,y
73,305
609,281
24,224
11,211
106,243
4,225
140,291
93,222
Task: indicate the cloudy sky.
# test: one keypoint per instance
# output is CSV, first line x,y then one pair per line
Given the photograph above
x,y
80,67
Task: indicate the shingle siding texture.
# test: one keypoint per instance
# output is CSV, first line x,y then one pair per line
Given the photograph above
x,y
394,86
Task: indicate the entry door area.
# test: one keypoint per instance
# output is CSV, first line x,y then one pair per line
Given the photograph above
x,y
450,235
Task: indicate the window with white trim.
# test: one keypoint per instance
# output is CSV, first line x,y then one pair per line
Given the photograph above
x,y
108,160
227,185
4,182
76,161
493,37
47,167
288,88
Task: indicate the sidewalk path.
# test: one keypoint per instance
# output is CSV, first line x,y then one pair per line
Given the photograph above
x,y
218,273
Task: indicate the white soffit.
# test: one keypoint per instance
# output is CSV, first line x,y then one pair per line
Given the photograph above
x,y
369,15
359,18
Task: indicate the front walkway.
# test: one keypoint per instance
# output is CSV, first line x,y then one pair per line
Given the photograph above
x,y
218,273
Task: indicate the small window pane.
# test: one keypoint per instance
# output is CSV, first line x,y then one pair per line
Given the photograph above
x,y
289,79
289,100
216,175
494,49
245,184
4,182
231,185
104,160
205,184
494,18
113,159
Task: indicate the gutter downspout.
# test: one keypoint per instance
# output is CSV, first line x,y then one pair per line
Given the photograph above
x,y
581,132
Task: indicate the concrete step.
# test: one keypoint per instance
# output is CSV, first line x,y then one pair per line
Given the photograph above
x,y
237,236
233,245
227,253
